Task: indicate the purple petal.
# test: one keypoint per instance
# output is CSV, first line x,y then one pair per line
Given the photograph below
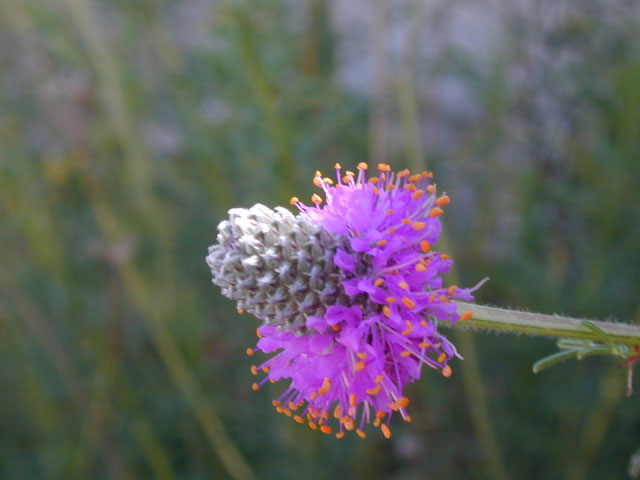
x,y
319,324
360,244
344,260
320,343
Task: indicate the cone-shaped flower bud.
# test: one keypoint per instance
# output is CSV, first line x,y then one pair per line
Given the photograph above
x,y
349,294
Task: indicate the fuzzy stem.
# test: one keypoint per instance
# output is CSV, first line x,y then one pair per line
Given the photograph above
x,y
514,321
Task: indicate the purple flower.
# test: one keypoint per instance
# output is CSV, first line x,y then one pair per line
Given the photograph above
x,y
349,361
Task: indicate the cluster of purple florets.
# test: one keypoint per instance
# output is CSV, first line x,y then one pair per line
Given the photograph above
x,y
350,365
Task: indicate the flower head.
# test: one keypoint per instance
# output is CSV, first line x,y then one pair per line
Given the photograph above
x,y
350,293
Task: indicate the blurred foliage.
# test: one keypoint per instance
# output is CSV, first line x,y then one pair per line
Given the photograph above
x,y
128,129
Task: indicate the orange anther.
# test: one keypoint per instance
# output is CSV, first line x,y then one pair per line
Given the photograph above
x,y
391,299
378,282
317,181
426,174
254,370
339,434
286,411
408,419
250,351
326,429
383,167
362,166
452,289
376,190
373,180
335,328
298,418
444,299
360,366
435,211
327,180
376,422
406,221
255,386
431,189
424,323
405,353
424,344
353,399
391,230
385,430
403,285
387,311
466,316
265,369
313,425
442,357
404,173
410,186
445,256
425,246
407,302
389,212
326,383
379,379
337,412
432,298
446,371
294,200
348,423
403,402
381,414
275,403
415,178
381,242
240,311
318,173
418,225
406,332
443,200
375,390
420,267
258,334
317,199
293,406
417,195
390,186
361,434
337,166
362,355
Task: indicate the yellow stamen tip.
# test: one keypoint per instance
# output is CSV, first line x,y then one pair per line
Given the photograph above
x,y
418,225
466,316
294,200
407,302
443,200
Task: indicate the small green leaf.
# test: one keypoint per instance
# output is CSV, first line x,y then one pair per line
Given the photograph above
x,y
551,360
598,331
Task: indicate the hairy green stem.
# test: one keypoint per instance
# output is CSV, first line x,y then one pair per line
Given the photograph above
x,y
514,321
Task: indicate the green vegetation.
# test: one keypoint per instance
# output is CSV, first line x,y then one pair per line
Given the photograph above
x,y
128,129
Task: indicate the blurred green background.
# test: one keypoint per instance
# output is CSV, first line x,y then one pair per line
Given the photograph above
x,y
129,128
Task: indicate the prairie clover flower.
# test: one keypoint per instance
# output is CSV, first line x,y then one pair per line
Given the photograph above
x,y
349,292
